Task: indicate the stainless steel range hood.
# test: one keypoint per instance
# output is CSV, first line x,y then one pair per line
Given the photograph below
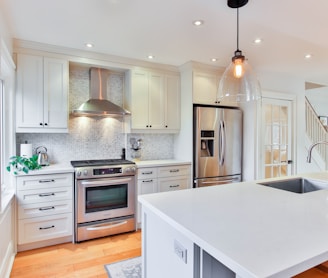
x,y
98,105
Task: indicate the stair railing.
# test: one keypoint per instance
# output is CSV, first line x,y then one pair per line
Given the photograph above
x,y
315,130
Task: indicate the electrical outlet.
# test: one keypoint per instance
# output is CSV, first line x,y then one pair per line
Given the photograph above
x,y
180,251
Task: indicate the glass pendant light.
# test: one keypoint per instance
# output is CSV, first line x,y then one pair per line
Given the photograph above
x,y
238,82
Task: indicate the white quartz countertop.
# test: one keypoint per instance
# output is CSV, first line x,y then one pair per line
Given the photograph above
x,y
158,163
51,169
254,230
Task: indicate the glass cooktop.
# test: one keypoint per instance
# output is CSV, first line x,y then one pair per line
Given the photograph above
x,y
100,162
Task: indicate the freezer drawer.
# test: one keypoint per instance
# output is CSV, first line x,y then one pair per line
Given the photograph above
x,y
216,181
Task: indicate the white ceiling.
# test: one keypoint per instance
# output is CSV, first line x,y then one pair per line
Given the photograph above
x,y
135,28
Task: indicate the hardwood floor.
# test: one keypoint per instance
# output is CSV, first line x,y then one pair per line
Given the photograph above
x,y
87,259
82,260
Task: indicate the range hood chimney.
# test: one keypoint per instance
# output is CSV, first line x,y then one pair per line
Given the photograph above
x,y
98,105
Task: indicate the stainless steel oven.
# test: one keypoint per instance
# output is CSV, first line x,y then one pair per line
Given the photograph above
x,y
105,198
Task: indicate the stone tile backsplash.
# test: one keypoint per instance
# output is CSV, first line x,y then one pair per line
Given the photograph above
x,y
97,138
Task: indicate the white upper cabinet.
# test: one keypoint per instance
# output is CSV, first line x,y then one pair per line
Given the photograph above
x,y
172,102
154,101
205,87
42,94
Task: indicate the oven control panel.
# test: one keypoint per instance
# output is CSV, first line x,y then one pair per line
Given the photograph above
x,y
105,171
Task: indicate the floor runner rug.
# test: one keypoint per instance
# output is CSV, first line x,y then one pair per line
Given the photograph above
x,y
130,268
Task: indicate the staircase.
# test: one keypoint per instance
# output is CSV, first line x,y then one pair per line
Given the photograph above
x,y
316,132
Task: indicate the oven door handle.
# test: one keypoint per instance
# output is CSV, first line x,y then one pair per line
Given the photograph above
x,y
104,182
106,226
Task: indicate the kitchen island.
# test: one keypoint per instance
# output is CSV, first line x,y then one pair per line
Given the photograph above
x,y
234,230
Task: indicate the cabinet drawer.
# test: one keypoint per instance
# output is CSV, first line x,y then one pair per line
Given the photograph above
x,y
44,209
147,173
171,184
147,186
44,195
44,181
173,171
44,228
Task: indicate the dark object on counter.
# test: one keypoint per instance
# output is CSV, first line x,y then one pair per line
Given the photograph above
x,y
123,154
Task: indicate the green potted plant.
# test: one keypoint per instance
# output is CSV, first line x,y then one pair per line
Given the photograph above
x,y
20,163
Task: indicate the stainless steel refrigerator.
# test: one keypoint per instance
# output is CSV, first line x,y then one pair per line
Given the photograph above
x,y
217,145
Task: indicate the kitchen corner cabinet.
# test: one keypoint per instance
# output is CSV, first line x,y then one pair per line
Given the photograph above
x,y
162,179
154,101
44,209
42,94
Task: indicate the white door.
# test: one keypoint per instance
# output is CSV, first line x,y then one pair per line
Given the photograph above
x,y
276,147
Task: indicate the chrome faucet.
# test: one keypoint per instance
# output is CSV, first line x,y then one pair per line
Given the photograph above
x,y
310,150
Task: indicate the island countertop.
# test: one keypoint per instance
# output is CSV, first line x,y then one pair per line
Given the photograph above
x,y
254,230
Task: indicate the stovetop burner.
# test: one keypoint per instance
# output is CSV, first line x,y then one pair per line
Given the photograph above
x,y
100,162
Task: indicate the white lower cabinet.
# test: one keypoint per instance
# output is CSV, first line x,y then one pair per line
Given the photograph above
x,y
44,228
44,209
161,179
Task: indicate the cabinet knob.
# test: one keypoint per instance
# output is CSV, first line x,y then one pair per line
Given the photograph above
x,y
41,123
146,125
150,126
166,126
45,124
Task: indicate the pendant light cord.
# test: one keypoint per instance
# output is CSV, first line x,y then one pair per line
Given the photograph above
x,y
238,29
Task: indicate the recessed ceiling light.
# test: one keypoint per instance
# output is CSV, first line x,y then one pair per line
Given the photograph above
x,y
258,41
198,22
308,56
89,45
214,59
150,57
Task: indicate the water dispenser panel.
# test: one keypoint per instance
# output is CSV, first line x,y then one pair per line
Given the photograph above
x,y
207,143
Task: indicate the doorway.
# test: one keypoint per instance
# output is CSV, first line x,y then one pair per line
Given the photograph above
x,y
277,138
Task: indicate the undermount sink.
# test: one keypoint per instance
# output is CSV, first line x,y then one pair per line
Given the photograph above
x,y
297,185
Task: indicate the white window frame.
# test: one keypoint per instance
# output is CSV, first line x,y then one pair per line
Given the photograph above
x,y
7,127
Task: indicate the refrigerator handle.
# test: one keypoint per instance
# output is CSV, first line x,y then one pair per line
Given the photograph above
x,y
222,143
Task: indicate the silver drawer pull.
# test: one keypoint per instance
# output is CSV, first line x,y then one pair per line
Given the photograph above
x,y
174,171
147,173
46,194
46,208
176,185
44,181
47,228
147,181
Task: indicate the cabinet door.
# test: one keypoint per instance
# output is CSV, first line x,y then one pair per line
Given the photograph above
x,y
205,87
29,95
140,100
42,94
156,101
172,103
55,93
145,186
